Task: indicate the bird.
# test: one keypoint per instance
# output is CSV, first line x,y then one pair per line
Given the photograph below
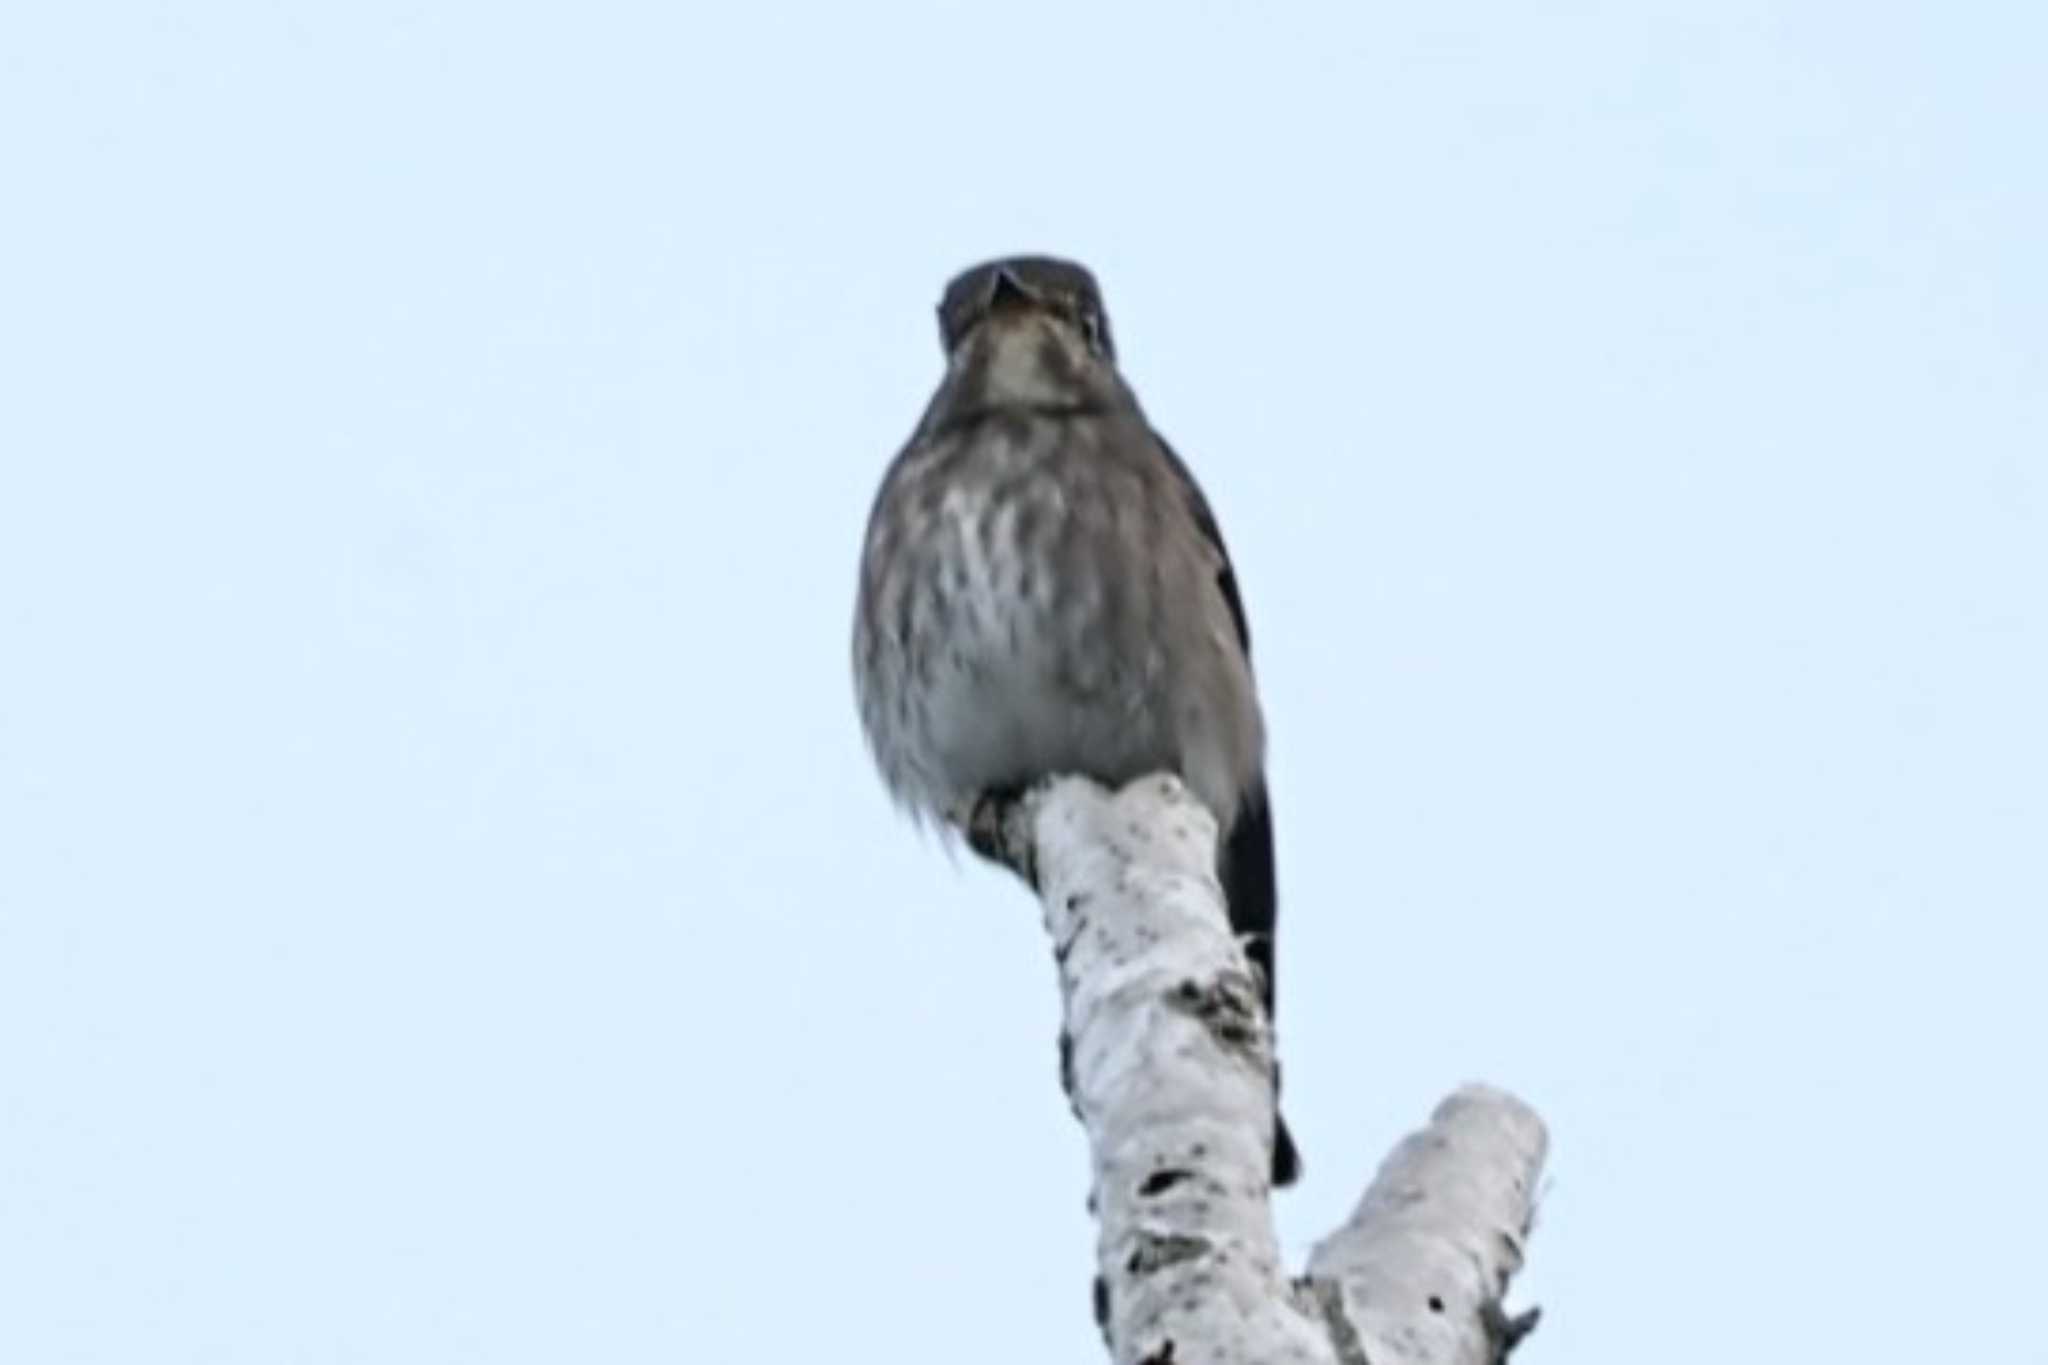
x,y
1044,590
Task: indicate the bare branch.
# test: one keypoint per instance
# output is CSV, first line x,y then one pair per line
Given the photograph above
x,y
1423,1264
1167,1059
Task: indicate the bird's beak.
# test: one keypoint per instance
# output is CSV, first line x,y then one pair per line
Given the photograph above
x,y
1005,288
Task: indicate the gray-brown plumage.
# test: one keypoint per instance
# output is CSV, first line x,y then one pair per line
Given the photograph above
x,y
1044,589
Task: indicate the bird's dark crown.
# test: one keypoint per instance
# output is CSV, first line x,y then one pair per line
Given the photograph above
x,y
1047,284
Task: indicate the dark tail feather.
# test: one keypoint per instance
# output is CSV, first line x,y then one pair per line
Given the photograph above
x,y
1246,871
1247,877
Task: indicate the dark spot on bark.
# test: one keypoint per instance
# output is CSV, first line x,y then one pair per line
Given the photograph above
x,y
1329,1299
1225,1008
1162,1354
1156,1251
1436,1304
1159,1182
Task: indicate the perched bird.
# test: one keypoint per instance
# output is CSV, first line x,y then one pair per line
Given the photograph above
x,y
1044,590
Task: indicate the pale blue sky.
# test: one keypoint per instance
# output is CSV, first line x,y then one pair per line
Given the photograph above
x,y
446,912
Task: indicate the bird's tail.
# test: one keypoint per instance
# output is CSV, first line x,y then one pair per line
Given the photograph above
x,y
1246,872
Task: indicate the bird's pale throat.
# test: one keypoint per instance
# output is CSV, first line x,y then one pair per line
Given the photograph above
x,y
1022,359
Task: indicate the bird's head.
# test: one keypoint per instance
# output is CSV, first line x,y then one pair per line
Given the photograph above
x,y
1030,329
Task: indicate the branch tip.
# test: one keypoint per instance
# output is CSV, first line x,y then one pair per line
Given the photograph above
x,y
1505,1332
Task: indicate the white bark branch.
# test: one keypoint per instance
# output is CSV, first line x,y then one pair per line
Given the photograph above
x,y
1168,1059
1422,1265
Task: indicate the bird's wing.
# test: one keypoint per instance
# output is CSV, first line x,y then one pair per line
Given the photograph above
x,y
1205,520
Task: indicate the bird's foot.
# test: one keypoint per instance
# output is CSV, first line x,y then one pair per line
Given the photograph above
x,y
995,824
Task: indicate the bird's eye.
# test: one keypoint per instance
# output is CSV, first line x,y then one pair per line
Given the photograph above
x,y
1096,330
